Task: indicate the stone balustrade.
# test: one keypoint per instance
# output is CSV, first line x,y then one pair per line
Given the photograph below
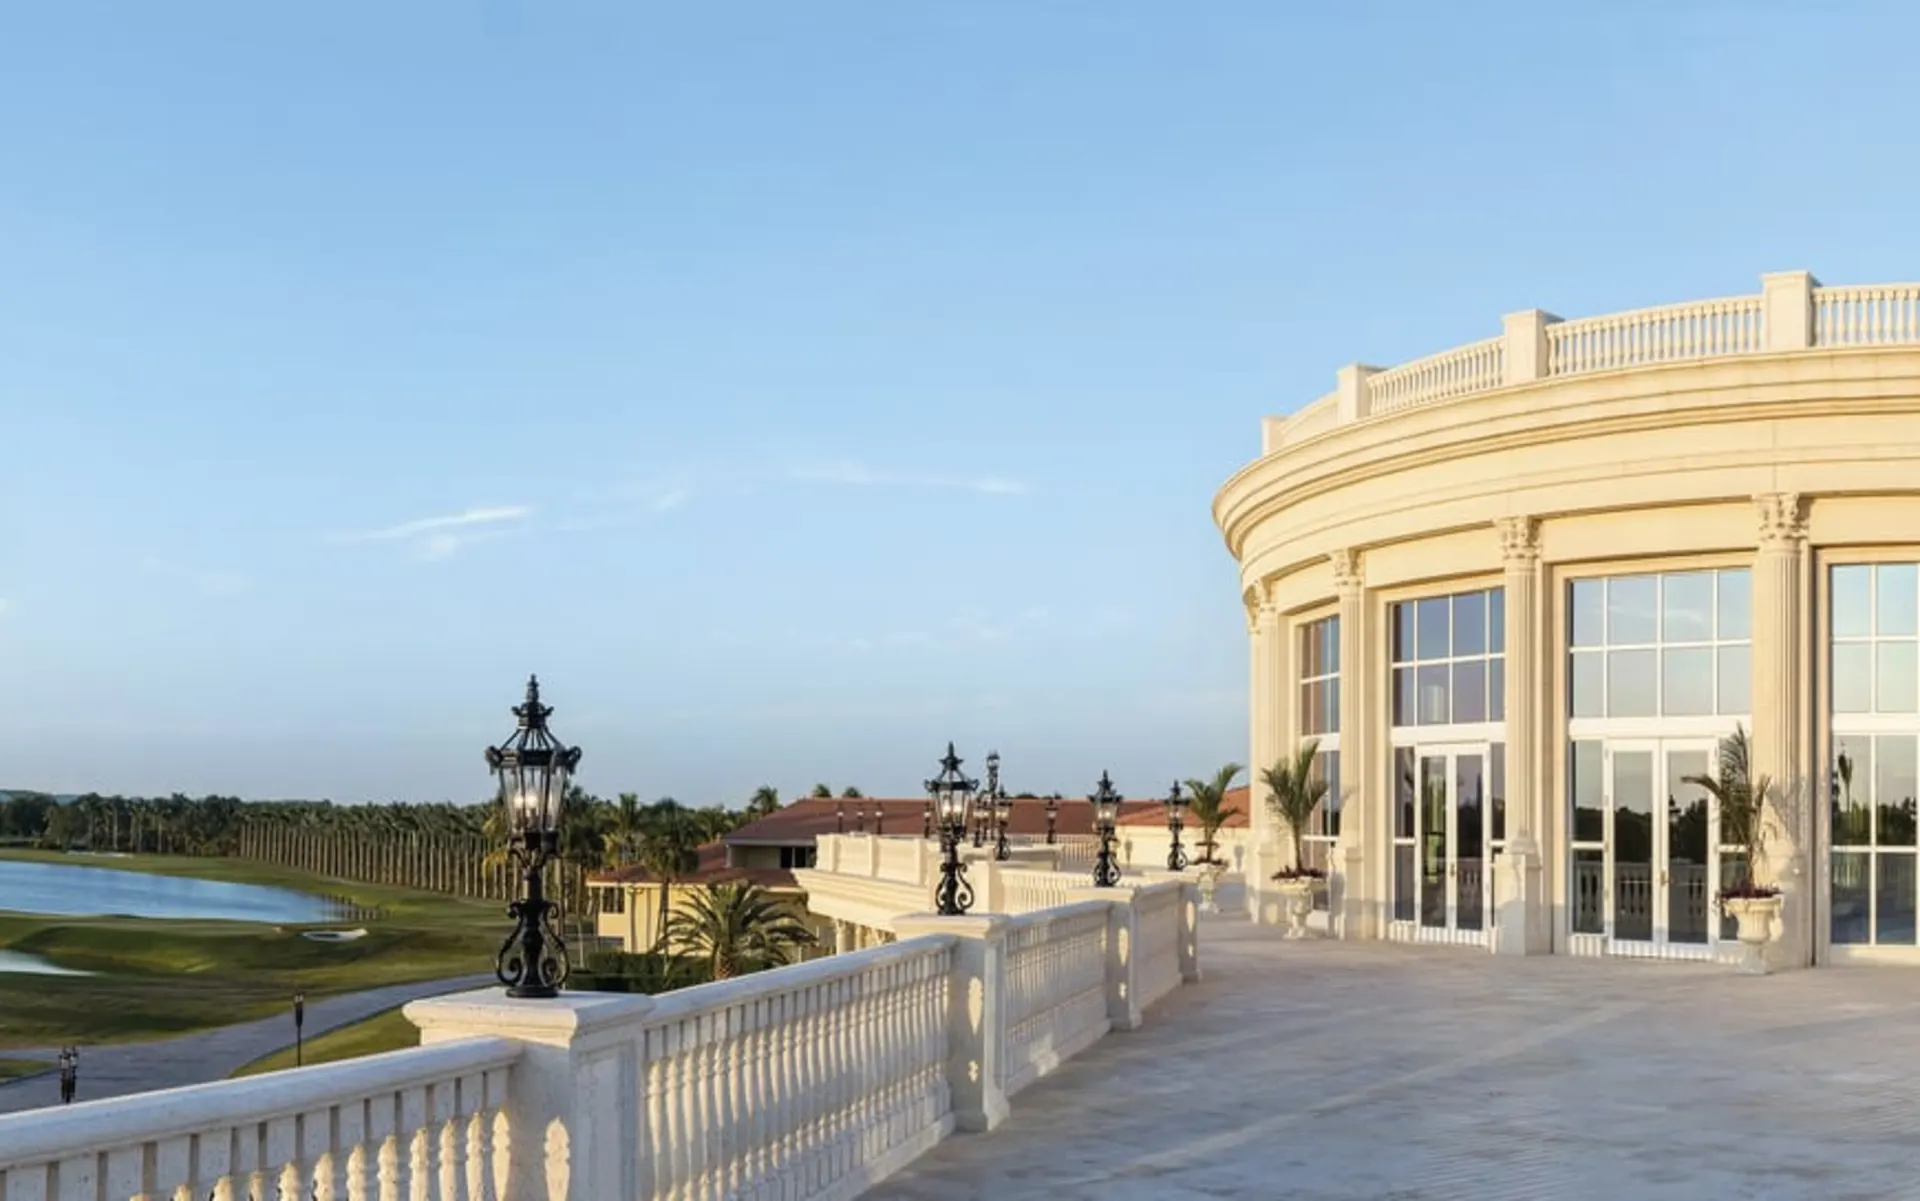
x,y
1792,312
809,1081
426,1123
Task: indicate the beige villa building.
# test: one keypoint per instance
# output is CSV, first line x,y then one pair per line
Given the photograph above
x,y
1519,590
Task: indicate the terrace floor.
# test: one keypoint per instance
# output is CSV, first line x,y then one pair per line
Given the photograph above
x,y
1322,1070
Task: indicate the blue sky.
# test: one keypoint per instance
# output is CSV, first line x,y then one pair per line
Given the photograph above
x,y
795,387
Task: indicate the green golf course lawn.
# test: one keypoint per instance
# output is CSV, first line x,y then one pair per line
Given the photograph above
x,y
162,977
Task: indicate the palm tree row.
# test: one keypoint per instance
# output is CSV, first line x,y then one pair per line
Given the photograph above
x,y
435,847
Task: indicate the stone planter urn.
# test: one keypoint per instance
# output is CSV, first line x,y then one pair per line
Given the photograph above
x,y
1296,900
1210,874
1756,917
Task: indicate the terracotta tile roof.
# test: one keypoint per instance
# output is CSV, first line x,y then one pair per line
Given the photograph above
x,y
710,868
800,822
1236,798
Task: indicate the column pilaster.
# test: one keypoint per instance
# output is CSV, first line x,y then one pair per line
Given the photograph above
x,y
1270,673
1520,903
1357,863
1779,633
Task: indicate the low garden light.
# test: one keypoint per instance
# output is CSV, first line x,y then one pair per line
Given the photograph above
x,y
1106,814
534,768
1176,819
299,1024
952,795
69,1074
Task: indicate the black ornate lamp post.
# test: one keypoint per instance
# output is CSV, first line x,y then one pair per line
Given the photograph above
x,y
299,1022
1176,819
69,1074
998,809
952,794
1106,812
534,768
926,821
839,817
1053,815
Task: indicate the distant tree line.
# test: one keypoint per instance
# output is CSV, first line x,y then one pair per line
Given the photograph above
x,y
435,847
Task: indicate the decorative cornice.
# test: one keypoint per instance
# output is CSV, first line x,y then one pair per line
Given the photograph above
x,y
1565,409
1349,569
1783,520
1519,540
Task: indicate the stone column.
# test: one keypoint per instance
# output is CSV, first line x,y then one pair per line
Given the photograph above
x,y
1521,911
1351,902
1779,628
842,936
1270,676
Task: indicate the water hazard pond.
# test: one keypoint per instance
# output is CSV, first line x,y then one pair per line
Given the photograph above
x,y
60,889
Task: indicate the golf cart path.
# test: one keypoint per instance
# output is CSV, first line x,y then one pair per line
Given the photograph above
x,y
114,1070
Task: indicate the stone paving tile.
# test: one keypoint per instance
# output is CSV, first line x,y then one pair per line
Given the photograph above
x,y
1326,1071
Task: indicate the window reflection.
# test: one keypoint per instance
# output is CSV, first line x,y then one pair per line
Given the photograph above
x,y
1470,624
1852,823
1587,791
1587,601
1852,602
1632,690
1734,606
1630,609
1686,607
1686,681
1896,591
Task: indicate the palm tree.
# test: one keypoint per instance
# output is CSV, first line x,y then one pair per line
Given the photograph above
x,y
628,827
737,928
1741,800
669,852
1207,801
822,790
1294,791
766,801
852,794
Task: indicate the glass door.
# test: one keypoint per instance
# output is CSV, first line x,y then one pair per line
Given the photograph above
x,y
1441,841
1661,845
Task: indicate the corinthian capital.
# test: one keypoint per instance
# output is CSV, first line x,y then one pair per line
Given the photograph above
x,y
1519,539
1349,572
1783,520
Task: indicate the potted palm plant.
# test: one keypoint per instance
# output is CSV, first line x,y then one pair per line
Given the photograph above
x,y
1207,803
1741,802
1294,791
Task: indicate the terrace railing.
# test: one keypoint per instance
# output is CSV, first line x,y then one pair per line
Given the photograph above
x,y
1792,312
810,1081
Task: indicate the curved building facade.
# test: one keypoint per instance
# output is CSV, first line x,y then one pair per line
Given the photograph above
x,y
1520,590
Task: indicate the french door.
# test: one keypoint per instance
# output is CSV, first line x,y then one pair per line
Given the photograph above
x,y
1442,843
1643,880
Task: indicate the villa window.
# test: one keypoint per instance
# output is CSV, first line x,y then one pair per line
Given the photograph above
x,y
1874,664
1319,715
792,857
613,900
1449,660
1673,645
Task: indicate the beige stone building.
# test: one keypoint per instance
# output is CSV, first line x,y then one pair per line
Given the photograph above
x,y
1519,590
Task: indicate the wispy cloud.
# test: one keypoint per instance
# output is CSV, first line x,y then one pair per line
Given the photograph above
x,y
847,473
206,582
969,629
436,539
